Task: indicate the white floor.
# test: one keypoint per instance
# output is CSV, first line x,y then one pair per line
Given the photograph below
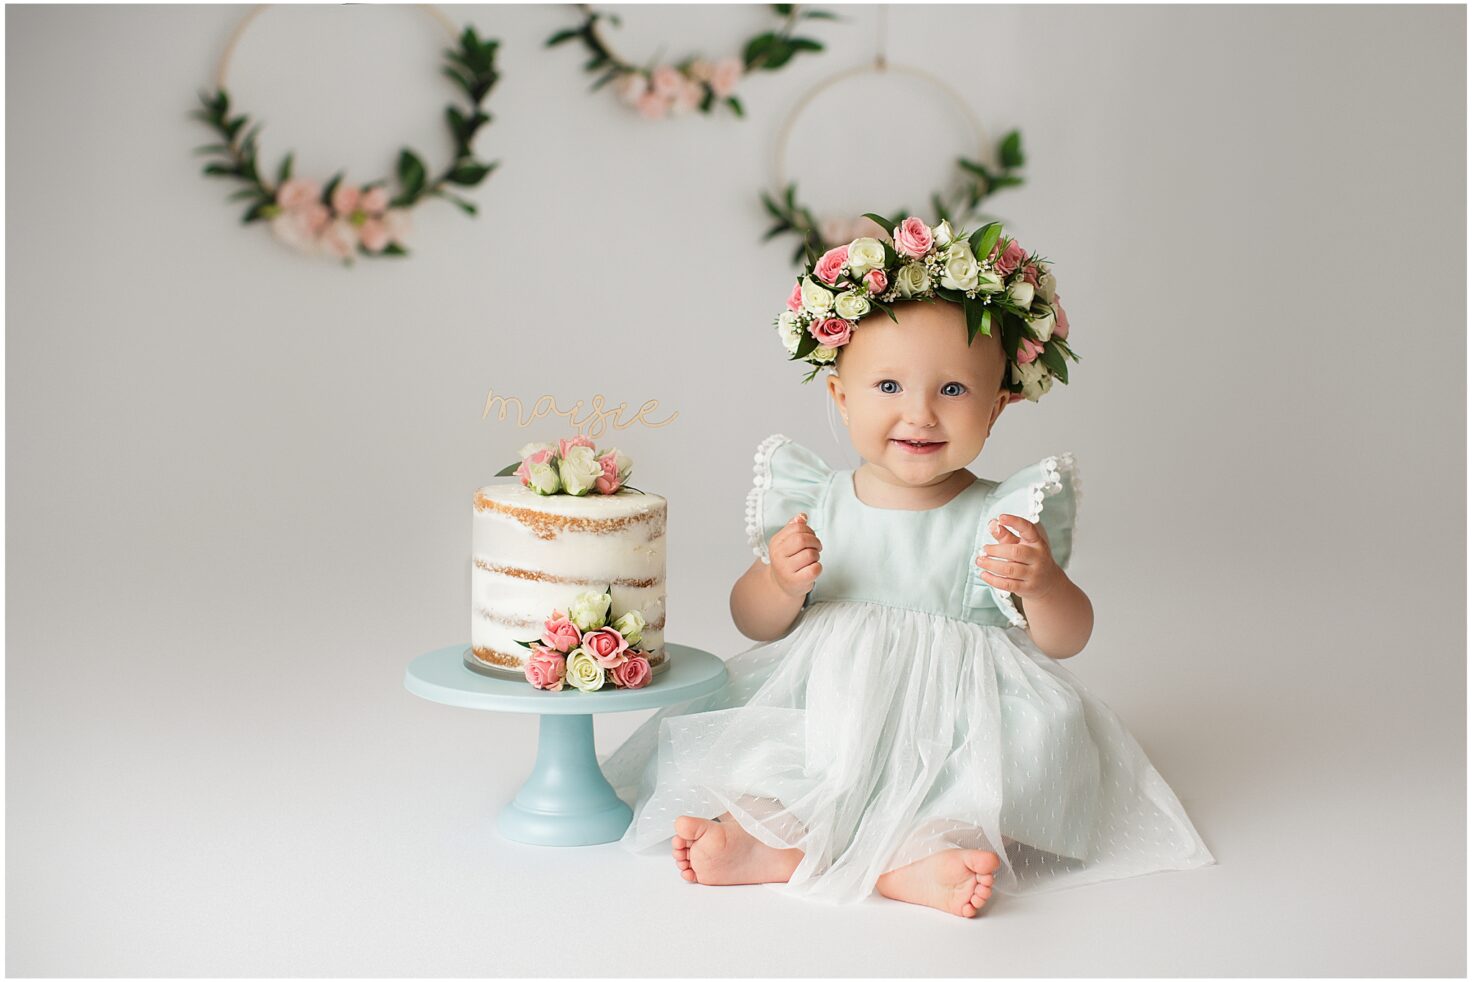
x,y
287,818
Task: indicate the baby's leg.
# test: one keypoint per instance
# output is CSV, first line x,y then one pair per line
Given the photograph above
x,y
719,852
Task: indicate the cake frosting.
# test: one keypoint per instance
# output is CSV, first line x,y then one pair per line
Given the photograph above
x,y
532,554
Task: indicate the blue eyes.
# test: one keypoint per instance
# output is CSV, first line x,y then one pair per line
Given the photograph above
x,y
949,389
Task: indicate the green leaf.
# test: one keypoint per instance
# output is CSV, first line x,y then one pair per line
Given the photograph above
x,y
1053,358
891,258
940,208
806,345
886,308
605,78
805,44
775,231
331,187
508,470
778,55
283,173
469,174
253,213
989,236
222,170
1011,149
212,148
756,47
783,9
979,170
1006,181
562,36
973,309
707,100
882,222
817,15
986,320
411,173
735,105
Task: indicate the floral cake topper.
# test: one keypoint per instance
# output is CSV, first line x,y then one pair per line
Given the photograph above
x,y
572,467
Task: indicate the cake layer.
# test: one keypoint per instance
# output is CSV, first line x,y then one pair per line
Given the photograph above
x,y
532,554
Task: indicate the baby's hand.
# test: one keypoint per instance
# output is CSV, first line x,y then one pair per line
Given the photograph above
x,y
794,553
1023,563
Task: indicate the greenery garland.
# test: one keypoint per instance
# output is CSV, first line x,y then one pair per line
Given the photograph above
x,y
658,89
342,220
961,207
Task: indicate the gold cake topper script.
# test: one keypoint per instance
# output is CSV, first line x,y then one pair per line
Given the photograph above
x,y
592,424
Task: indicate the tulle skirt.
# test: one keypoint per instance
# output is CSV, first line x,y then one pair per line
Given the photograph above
x,y
871,736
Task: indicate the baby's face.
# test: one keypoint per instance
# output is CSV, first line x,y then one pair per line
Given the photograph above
x,y
919,380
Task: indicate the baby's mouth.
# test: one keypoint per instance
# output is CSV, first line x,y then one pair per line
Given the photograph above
x,y
918,446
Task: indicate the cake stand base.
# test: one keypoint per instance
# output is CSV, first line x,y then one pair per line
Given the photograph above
x,y
565,801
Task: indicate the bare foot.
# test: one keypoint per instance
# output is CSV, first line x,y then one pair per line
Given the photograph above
x,y
958,881
723,853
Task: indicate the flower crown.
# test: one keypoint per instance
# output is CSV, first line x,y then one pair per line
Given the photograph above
x,y
1010,288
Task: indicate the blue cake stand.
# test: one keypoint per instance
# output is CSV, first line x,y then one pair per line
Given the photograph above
x,y
566,801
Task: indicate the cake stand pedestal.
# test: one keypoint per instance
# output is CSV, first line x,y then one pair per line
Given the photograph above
x,y
566,801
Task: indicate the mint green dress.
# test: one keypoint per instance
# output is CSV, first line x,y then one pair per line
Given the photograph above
x,y
907,709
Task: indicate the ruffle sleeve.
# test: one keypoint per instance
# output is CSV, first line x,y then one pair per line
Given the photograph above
x,y
789,478
1048,493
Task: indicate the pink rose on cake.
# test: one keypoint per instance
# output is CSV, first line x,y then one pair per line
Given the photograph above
x,y
607,647
633,673
545,669
561,634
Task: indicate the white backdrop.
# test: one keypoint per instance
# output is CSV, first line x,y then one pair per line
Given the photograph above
x,y
239,480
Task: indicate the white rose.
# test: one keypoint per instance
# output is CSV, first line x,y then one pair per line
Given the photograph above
x,y
589,610
1047,286
1042,324
823,354
1021,294
579,469
912,279
543,478
851,306
583,670
532,448
631,625
1035,379
989,282
944,234
789,326
863,255
960,270
815,298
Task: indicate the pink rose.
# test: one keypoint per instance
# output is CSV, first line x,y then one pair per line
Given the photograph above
x,y
913,238
689,97
1030,274
339,239
794,302
666,80
832,331
831,264
374,200
559,633
545,669
652,105
1028,351
1060,319
344,199
374,235
608,482
298,193
876,280
724,76
632,674
607,647
1010,258
563,446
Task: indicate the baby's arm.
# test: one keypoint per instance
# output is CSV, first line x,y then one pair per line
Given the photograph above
x,y
767,599
1060,621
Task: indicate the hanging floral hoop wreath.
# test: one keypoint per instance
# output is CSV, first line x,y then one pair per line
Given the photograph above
x,y
960,204
660,89
342,220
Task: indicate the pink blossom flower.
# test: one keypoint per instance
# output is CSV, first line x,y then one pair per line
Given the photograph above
x,y
559,633
300,227
1010,258
700,70
339,239
725,76
1060,319
633,673
1028,351
298,193
652,105
831,264
913,238
373,234
545,669
794,301
688,98
563,446
608,482
374,200
666,80
832,331
876,280
344,199
607,647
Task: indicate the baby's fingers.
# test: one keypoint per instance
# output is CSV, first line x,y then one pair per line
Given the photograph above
x,y
1001,533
